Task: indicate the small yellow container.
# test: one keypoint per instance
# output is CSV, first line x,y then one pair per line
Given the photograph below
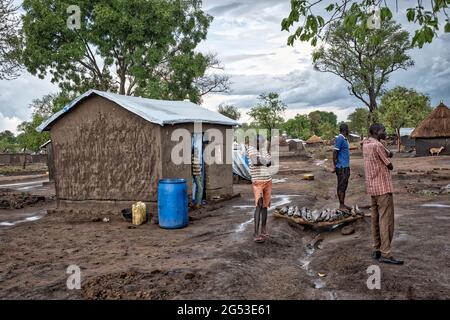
x,y
308,177
139,213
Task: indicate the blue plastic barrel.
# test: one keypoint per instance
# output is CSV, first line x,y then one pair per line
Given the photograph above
x,y
172,203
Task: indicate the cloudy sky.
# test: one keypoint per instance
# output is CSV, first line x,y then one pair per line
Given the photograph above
x,y
246,35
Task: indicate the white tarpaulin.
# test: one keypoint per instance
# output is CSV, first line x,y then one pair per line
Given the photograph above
x,y
240,164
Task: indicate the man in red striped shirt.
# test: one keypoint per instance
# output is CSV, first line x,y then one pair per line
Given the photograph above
x,y
379,186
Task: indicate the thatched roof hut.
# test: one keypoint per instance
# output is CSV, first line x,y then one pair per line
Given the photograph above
x,y
314,140
433,132
436,125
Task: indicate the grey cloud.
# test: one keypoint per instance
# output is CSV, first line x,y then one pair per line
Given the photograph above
x,y
16,95
240,57
298,89
221,9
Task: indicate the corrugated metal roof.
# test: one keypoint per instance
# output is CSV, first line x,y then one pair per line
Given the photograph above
x,y
406,131
161,112
45,144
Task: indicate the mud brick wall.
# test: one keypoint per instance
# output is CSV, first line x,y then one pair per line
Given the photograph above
x,y
219,177
102,152
423,146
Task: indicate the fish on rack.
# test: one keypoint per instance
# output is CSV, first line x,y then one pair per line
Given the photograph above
x,y
324,215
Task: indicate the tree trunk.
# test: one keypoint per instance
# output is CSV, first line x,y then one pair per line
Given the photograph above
x,y
371,119
373,101
24,158
122,80
398,139
122,86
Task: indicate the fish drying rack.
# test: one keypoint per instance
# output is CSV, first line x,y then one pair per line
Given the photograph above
x,y
317,224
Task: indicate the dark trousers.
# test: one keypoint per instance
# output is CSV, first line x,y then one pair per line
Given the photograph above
x,y
343,174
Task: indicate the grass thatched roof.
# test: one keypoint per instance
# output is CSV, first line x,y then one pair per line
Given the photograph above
x,y
314,139
436,125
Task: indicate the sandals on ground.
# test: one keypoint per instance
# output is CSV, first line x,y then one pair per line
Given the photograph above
x,y
259,239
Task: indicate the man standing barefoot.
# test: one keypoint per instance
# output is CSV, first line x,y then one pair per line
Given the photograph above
x,y
259,161
379,186
341,164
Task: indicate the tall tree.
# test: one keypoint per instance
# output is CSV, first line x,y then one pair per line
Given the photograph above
x,y
298,127
229,111
359,121
9,40
364,60
401,107
50,104
28,138
428,15
268,113
8,141
213,80
319,118
137,47
327,130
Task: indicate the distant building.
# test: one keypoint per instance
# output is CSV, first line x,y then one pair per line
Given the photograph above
x,y
295,144
314,141
353,137
405,138
433,132
47,147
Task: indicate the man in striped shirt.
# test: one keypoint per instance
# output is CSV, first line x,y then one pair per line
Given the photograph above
x,y
379,186
259,163
197,177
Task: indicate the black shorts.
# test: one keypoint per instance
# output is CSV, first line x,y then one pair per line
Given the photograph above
x,y
343,174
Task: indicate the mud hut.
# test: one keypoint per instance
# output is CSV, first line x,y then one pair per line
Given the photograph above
x,y
405,138
48,151
296,144
110,151
353,137
433,132
314,141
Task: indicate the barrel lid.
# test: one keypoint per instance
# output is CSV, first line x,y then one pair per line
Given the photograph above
x,y
172,181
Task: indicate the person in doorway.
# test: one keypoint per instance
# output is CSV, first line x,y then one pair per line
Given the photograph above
x,y
198,178
259,161
379,186
341,164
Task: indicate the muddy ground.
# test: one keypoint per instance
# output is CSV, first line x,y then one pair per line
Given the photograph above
x,y
215,257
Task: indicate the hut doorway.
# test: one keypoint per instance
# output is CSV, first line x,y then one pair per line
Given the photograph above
x,y
198,169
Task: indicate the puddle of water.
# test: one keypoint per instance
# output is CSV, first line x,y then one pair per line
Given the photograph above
x,y
435,205
33,217
402,237
304,263
332,295
244,207
306,260
280,200
319,284
279,180
320,162
277,200
24,184
241,227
